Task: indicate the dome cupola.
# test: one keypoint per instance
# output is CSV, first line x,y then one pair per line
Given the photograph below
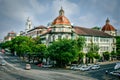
x,y
108,26
61,19
61,12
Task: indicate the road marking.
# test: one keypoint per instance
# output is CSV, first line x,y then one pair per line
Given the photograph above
x,y
100,69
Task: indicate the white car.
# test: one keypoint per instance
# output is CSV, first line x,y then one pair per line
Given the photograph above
x,y
116,73
74,66
28,67
3,63
90,65
95,67
84,68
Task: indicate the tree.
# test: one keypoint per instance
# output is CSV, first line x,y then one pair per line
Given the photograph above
x,y
92,52
80,57
90,56
96,28
40,50
118,46
8,45
106,55
96,56
37,40
63,51
22,45
113,55
80,43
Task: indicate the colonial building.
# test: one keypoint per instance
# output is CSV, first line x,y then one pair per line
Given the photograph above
x,y
61,28
10,36
36,31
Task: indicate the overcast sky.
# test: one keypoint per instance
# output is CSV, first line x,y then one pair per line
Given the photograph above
x,y
84,13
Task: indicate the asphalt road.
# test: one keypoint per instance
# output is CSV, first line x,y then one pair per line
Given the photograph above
x,y
14,70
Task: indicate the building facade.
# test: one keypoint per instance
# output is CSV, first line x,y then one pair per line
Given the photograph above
x,y
61,28
10,36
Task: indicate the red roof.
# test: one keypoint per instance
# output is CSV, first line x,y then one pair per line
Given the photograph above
x,y
89,32
39,27
12,32
61,20
108,27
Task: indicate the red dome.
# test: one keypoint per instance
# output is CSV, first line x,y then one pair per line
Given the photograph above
x,y
107,26
61,20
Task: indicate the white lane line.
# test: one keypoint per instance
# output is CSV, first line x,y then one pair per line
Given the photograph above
x,y
100,69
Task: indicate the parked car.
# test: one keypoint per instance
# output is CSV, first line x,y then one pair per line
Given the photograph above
x,y
85,68
46,66
3,63
96,66
73,66
90,65
28,67
116,73
77,67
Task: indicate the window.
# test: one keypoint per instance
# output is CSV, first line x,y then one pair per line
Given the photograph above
x,y
53,37
67,36
59,36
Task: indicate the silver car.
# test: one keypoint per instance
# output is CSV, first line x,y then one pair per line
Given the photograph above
x,y
3,63
95,67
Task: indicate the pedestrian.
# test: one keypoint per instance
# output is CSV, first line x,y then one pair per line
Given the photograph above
x,y
106,72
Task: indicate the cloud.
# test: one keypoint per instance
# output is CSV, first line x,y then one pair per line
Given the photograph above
x,y
88,20
15,13
70,8
88,13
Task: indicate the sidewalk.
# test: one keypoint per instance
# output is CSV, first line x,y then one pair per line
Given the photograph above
x,y
108,62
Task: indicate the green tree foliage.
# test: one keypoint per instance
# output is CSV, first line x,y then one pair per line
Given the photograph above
x,y
96,56
63,51
93,52
80,43
8,45
96,28
80,57
40,50
106,55
22,45
90,55
37,40
113,55
118,46
26,46
93,48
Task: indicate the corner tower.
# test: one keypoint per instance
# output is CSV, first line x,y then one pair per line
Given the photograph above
x,y
28,24
60,28
108,28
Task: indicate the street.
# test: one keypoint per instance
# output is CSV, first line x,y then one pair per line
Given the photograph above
x,y
14,70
